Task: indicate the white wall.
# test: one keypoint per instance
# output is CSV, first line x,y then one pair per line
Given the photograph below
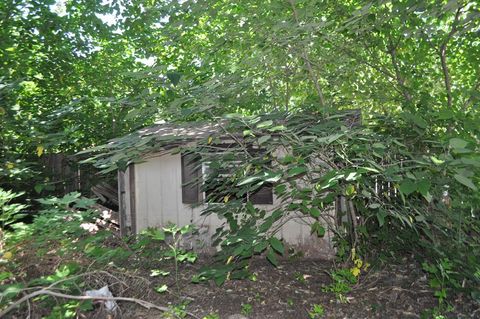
x,y
158,198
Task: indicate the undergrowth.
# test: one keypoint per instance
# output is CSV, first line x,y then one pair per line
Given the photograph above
x,y
71,254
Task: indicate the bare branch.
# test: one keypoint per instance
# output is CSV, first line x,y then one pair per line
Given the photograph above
x,y
48,292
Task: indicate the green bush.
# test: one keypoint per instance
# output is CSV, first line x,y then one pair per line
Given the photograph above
x,y
409,193
10,212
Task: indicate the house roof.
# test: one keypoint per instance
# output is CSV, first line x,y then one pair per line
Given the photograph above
x,y
184,131
128,148
197,130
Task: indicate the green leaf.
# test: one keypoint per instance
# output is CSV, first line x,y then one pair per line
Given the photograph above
x,y
272,257
350,190
38,188
419,121
423,187
329,139
5,275
277,128
11,291
86,305
436,161
158,272
465,181
265,124
458,143
407,187
220,279
272,178
280,189
161,289
315,212
379,146
381,217
187,229
277,245
155,233
296,171
260,246
266,225
318,229
249,180
264,139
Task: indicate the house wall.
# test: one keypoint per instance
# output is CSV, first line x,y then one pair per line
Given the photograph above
x,y
158,201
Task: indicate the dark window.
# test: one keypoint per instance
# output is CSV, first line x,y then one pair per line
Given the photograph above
x,y
191,179
264,195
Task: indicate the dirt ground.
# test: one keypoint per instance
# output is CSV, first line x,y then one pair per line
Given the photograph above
x,y
290,290
396,290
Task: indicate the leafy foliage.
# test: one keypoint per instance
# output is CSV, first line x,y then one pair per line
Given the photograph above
x,y
72,80
395,186
9,212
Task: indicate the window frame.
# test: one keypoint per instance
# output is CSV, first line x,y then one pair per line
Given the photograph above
x,y
201,193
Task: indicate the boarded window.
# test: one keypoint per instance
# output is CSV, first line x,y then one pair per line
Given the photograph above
x,y
191,177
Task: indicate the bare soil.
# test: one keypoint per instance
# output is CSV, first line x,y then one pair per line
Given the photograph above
x,y
291,289
395,290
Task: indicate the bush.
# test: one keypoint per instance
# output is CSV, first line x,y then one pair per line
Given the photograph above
x,y
10,212
404,193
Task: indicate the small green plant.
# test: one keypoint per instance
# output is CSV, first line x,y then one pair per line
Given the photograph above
x,y
173,235
246,309
316,312
434,313
290,303
177,311
343,280
440,273
301,278
211,316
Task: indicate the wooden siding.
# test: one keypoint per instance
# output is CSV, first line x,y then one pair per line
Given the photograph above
x,y
158,201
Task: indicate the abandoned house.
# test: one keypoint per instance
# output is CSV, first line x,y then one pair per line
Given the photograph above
x,y
157,190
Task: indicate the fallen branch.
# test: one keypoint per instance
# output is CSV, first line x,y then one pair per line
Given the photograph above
x,y
48,292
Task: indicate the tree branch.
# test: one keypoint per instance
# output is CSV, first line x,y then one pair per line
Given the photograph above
x,y
471,98
45,291
392,50
307,61
443,57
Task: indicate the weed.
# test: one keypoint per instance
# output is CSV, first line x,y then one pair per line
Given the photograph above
x,y
301,278
246,309
316,312
435,313
440,273
343,279
175,251
290,303
177,311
